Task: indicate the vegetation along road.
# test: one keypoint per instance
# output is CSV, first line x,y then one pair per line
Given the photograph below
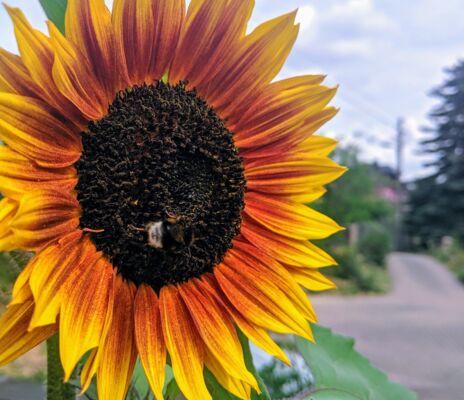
x,y
415,333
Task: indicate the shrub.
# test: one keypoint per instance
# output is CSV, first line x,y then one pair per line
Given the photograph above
x,y
375,244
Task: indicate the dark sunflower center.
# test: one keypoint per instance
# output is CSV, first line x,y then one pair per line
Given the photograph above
x,y
161,178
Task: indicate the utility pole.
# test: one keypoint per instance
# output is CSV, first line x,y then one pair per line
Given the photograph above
x,y
400,136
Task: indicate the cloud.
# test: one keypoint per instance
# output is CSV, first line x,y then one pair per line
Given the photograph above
x,y
346,47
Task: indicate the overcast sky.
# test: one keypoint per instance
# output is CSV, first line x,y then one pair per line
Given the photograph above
x,y
386,55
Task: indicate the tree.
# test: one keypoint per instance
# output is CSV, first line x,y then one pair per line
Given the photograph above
x,y
437,202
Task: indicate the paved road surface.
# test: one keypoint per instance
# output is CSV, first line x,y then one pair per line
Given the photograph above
x,y
415,333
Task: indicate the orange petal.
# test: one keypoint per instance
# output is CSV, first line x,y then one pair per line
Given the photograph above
x,y
14,77
217,331
118,350
230,383
252,263
212,31
15,339
246,70
38,56
53,267
44,216
282,108
277,314
148,31
254,332
28,127
184,345
149,337
287,250
293,176
287,218
8,210
86,312
287,141
19,175
74,78
89,370
89,28
311,279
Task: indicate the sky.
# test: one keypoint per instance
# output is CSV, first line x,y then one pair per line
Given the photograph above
x,y
385,56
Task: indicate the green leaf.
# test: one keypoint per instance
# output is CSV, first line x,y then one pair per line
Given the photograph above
x,y
251,367
55,10
337,366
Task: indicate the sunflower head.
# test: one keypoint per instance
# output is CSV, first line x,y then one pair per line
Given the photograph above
x,y
161,175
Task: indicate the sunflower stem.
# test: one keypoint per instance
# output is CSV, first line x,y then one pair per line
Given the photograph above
x,y
56,388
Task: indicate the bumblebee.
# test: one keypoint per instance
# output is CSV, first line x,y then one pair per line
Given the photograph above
x,y
169,234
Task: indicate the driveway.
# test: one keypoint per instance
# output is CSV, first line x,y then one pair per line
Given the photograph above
x,y
415,333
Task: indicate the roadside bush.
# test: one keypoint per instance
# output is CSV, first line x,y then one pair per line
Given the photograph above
x,y
375,244
354,269
453,257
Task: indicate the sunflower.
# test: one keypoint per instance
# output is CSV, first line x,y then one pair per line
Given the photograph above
x,y
160,175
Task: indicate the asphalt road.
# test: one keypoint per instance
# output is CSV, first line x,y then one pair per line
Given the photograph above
x,y
415,333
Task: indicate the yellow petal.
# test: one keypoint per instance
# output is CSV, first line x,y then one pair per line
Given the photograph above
x,y
19,175
74,78
28,127
217,331
86,312
184,345
286,250
53,267
44,216
311,279
15,339
254,332
118,352
8,211
287,218
230,383
149,338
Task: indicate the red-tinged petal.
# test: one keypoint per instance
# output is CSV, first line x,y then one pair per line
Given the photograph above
x,y
289,251
223,376
217,331
277,314
74,78
44,216
38,56
280,110
286,141
8,211
246,70
291,176
287,218
268,276
311,279
255,333
14,76
184,345
89,370
212,31
118,352
28,127
148,32
89,27
53,267
309,196
86,312
19,175
149,338
15,339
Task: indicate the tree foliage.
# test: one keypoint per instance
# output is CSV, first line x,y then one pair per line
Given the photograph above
x,y
437,201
